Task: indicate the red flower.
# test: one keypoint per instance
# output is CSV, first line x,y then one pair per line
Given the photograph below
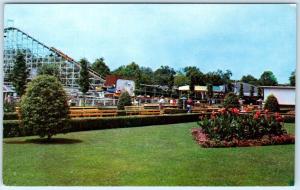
x,y
266,111
276,114
279,119
235,111
256,115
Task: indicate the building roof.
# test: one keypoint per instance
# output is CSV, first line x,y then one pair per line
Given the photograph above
x,y
246,88
111,80
279,87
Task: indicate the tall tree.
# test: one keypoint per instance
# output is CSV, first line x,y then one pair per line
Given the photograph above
x,y
195,76
241,92
249,79
131,71
293,79
180,79
146,75
83,80
164,76
19,74
251,91
214,78
210,92
268,79
100,67
259,92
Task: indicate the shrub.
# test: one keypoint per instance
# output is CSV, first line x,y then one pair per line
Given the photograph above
x,y
44,108
83,124
229,124
272,104
231,101
173,111
49,69
289,119
11,128
124,100
10,116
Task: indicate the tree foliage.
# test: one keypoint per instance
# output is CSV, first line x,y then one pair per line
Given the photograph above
x,y
241,92
44,108
100,67
219,77
180,79
250,80
259,92
49,69
268,79
293,79
124,100
231,101
195,77
164,76
251,91
83,80
19,74
146,75
272,104
210,91
131,71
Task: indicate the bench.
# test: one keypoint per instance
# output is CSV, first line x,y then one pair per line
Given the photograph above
x,y
92,113
133,110
82,108
151,106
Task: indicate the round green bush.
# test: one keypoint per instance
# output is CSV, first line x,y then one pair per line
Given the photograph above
x,y
44,108
231,101
124,100
272,104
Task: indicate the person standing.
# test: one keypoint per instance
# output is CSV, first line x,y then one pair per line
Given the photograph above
x,y
161,102
189,104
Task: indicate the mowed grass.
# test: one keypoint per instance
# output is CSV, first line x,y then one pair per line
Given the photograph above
x,y
164,155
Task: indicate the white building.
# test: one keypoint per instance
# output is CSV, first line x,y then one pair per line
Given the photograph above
x,y
286,95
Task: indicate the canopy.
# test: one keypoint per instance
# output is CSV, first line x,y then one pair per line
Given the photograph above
x,y
197,88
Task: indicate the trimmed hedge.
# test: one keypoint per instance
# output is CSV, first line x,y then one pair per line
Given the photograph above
x,y
10,116
288,119
174,111
12,129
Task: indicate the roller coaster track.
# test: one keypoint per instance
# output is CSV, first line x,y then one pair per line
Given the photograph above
x,y
15,39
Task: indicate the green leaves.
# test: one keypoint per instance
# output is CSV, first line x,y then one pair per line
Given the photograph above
x,y
231,101
19,74
227,126
272,104
83,80
44,107
124,100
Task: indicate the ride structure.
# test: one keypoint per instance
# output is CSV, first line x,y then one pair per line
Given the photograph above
x,y
37,54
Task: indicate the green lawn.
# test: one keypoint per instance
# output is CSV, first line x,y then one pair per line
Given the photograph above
x,y
156,155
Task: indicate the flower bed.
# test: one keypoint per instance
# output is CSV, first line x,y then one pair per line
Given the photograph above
x,y
229,128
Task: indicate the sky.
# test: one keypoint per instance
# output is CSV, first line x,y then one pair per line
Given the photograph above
x,y
244,38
